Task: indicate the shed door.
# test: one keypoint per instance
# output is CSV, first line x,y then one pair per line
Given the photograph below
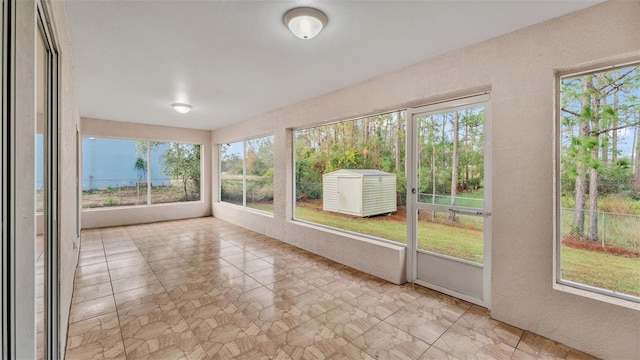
x,y
349,195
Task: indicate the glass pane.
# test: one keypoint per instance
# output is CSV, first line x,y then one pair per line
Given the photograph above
x,y
175,172
110,173
40,189
259,178
452,234
351,176
600,180
231,173
39,170
451,158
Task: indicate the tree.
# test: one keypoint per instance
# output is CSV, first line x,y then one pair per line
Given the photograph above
x,y
454,162
182,162
598,105
141,167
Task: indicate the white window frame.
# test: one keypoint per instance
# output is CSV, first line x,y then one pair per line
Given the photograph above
x,y
294,186
148,157
244,173
559,283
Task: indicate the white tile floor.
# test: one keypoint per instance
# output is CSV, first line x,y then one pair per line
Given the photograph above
x,y
206,289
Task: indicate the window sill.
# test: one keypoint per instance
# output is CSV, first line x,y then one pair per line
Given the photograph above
x,y
247,209
348,234
596,296
141,206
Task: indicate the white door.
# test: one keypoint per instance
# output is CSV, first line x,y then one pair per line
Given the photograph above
x,y
349,194
450,226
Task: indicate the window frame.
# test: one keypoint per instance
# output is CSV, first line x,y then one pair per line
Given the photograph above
x,y
559,283
244,173
324,227
148,154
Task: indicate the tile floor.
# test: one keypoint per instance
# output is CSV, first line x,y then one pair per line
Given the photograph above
x,y
207,289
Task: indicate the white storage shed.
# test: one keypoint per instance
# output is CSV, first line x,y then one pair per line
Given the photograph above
x,y
359,192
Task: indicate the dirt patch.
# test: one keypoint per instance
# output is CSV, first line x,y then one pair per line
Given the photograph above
x,y
577,243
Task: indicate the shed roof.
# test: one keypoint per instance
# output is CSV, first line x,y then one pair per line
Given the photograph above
x,y
363,172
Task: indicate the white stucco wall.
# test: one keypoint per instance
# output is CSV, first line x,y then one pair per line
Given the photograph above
x,y
519,69
101,217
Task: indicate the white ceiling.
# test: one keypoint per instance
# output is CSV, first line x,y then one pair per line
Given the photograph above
x,y
235,59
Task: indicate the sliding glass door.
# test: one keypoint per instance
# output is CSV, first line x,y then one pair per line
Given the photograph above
x,y
46,193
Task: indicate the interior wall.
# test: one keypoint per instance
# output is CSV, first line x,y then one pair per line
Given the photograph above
x,y
126,215
520,69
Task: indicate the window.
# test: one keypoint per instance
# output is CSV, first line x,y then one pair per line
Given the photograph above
x,y
340,168
246,173
122,172
175,172
599,182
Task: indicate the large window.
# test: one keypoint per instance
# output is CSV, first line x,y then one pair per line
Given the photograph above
x,y
121,172
351,176
599,182
246,173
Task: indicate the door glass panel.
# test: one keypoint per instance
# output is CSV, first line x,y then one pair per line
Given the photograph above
x,y
451,183
461,237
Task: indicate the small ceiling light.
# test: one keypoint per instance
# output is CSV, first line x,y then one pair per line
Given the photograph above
x,y
181,108
305,22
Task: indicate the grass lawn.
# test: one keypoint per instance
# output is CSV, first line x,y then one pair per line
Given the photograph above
x,y
462,242
602,270
266,207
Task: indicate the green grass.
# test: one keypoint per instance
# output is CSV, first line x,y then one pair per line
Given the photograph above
x,y
390,230
461,242
464,242
267,207
601,270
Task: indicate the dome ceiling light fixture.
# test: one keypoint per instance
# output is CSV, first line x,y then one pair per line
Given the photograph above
x,y
181,107
305,22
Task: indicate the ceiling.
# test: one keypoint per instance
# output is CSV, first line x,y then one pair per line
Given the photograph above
x,y
235,59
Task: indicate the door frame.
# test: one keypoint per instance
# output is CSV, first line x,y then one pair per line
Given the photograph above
x,y
412,208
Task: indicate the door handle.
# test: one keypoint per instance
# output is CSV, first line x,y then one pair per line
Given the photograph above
x,y
413,191
470,212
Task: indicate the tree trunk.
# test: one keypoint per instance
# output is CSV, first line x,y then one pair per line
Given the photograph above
x,y
184,184
592,233
637,155
604,143
614,134
466,153
398,142
577,227
454,163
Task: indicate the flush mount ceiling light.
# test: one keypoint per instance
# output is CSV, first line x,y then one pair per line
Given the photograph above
x,y
181,108
305,22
